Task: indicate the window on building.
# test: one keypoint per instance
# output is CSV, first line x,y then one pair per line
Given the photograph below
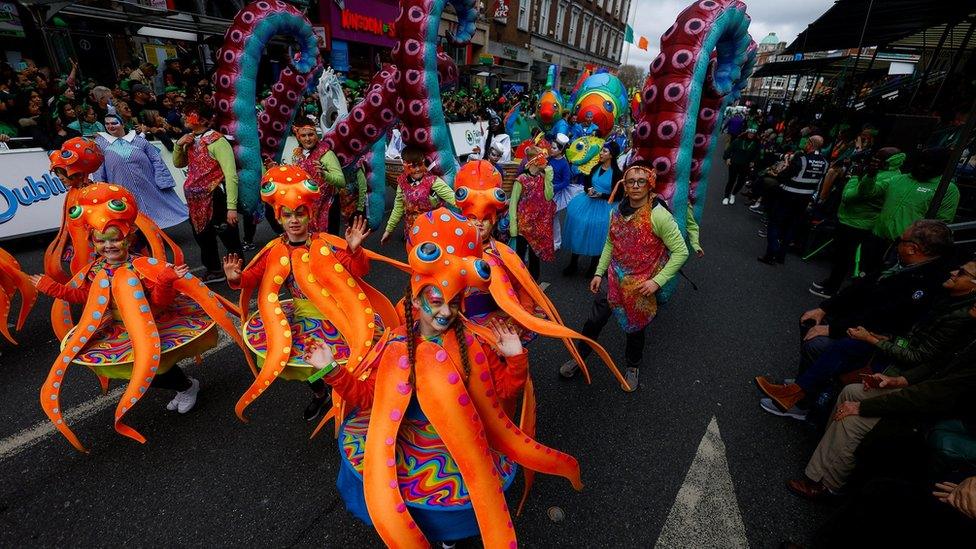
x,y
585,31
612,6
778,83
544,8
599,3
624,9
560,19
593,37
573,25
523,15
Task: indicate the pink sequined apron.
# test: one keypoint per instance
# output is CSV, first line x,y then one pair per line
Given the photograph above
x,y
416,198
202,177
310,163
638,255
535,214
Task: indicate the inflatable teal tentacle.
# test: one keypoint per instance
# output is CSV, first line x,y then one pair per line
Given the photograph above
x,y
236,88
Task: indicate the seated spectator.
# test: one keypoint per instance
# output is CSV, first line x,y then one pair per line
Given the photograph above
x,y
143,75
142,99
100,99
936,337
946,391
886,302
906,199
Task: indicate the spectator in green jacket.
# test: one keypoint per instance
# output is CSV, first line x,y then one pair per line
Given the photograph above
x,y
856,217
740,157
907,198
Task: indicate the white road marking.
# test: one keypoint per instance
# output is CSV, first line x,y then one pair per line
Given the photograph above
x,y
23,440
705,512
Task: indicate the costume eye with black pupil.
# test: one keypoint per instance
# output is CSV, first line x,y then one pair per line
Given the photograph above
x,y
461,193
268,187
500,195
75,212
117,205
482,268
428,251
311,185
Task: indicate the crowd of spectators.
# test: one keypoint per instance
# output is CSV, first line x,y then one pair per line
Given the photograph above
x,y
886,369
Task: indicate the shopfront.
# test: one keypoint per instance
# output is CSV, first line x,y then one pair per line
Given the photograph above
x,y
361,30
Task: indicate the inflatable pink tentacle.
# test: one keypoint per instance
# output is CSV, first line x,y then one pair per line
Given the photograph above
x,y
367,121
236,87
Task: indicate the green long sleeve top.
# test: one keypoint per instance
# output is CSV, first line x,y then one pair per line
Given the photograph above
x,y
905,201
666,228
221,151
932,340
517,194
948,394
694,231
331,169
858,210
441,193
360,188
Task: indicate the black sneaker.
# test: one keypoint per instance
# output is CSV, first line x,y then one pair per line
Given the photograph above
x,y
315,407
820,292
767,259
249,246
213,277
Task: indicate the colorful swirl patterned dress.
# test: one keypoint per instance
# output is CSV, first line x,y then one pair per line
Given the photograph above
x,y
638,254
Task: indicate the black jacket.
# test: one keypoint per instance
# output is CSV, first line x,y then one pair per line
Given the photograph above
x,y
888,302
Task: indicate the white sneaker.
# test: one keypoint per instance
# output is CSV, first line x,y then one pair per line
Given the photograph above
x,y
568,368
186,400
173,404
725,201
732,199
794,412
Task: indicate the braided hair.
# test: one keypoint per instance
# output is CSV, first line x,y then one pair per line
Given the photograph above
x,y
412,345
463,347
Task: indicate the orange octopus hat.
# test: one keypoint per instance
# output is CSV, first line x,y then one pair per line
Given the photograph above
x,y
478,190
441,248
291,187
77,155
103,205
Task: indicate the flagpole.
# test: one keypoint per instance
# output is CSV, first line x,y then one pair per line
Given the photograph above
x,y
633,12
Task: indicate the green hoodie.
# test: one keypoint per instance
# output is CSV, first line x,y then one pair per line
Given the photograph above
x,y
860,211
906,200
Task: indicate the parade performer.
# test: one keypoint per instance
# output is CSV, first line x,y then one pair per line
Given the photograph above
x,y
329,301
427,406
588,215
210,187
643,251
141,315
564,187
12,281
531,211
134,163
321,164
418,192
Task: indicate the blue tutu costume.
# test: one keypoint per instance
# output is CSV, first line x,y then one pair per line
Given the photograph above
x,y
588,218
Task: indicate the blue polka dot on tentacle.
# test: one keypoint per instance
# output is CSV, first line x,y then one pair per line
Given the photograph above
x,y
133,281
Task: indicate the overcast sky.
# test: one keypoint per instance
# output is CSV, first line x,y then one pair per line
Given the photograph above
x,y
786,18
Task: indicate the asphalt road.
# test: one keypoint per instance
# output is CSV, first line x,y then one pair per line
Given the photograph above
x,y
205,478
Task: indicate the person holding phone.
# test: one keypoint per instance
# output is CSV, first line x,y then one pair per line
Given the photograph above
x,y
418,192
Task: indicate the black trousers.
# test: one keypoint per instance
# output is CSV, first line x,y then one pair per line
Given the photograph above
x,y
521,248
738,175
251,225
787,212
174,379
600,314
217,228
846,241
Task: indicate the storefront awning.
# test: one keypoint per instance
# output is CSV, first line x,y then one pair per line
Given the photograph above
x,y
135,14
888,21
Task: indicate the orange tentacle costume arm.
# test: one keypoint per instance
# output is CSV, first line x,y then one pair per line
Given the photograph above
x,y
277,268
133,306
91,318
13,280
61,320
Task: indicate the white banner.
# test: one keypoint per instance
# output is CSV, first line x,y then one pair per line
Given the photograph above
x,y
32,198
466,136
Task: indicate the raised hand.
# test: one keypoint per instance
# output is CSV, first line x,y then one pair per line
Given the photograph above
x,y
181,270
506,338
233,265
35,279
356,233
318,354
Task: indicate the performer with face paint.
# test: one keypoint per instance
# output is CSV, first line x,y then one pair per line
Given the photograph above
x,y
643,251
279,330
418,192
429,403
141,316
210,187
322,165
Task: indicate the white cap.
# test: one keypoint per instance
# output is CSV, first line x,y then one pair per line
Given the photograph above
x,y
562,140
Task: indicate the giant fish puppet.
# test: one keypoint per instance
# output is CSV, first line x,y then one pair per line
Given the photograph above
x,y
603,97
549,113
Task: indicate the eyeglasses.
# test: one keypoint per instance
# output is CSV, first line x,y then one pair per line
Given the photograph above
x,y
636,183
963,272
